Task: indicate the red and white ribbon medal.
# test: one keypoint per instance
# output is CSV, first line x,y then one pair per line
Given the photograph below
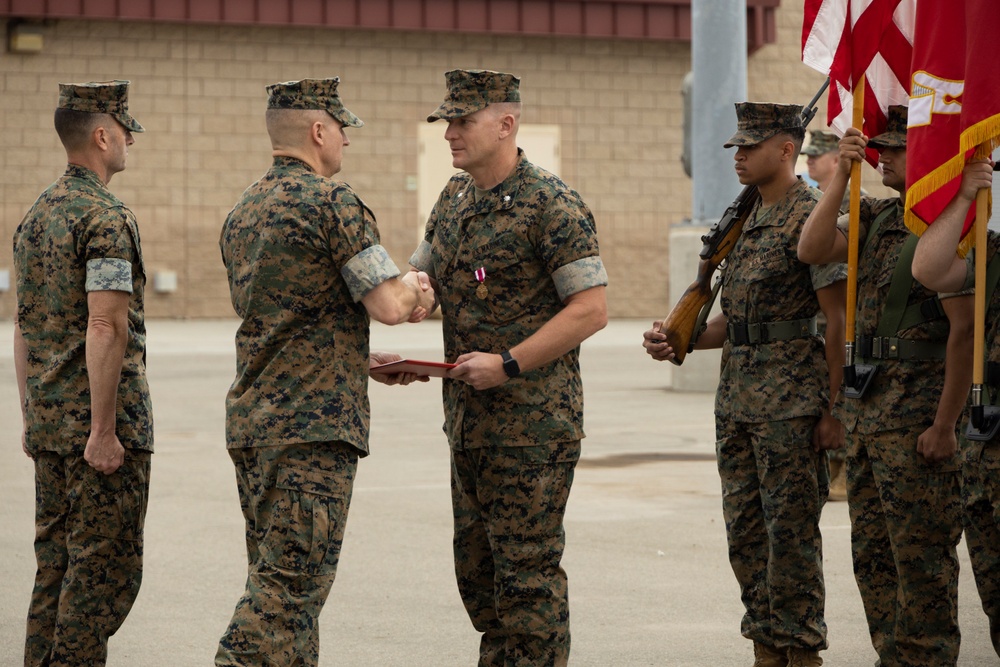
x,y
482,292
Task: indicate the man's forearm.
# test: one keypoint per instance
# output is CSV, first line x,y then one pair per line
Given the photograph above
x,y
106,344
21,367
584,314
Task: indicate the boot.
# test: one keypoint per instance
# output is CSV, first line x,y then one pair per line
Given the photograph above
x,y
803,657
838,480
768,656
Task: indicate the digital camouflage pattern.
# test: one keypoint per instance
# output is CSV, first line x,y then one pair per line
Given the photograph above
x,y
906,521
110,97
514,446
470,90
902,393
769,396
774,486
821,142
766,282
76,238
295,499
537,241
88,546
981,476
509,504
300,252
906,514
312,94
757,122
895,130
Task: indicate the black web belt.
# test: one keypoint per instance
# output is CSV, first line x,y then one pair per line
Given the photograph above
x,y
892,347
759,333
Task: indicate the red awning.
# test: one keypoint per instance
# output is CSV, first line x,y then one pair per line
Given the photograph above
x,y
628,19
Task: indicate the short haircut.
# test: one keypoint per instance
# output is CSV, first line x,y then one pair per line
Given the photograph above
x,y
75,127
290,127
797,135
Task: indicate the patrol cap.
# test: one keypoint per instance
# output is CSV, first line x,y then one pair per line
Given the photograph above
x,y
312,94
821,142
110,97
756,122
470,90
895,130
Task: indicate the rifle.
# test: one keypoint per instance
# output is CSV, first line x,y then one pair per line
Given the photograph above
x,y
683,324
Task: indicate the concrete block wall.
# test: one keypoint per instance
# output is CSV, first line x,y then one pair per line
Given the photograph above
x,y
199,91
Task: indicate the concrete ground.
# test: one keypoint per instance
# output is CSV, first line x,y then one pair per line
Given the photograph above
x,y
649,578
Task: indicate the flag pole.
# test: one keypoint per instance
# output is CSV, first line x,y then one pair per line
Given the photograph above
x,y
854,224
982,220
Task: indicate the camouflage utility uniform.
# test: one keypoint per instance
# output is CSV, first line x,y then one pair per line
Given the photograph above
x,y
769,397
78,238
981,474
515,446
905,512
300,252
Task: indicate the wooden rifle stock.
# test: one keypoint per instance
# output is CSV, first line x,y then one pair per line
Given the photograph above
x,y
686,316
680,324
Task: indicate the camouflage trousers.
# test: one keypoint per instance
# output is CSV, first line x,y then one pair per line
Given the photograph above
x,y
88,547
773,490
906,521
508,504
295,500
981,498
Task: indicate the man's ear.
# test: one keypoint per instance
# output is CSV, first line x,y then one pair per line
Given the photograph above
x,y
317,133
101,137
506,125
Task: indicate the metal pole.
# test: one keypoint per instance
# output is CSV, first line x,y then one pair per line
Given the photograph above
x,y
719,62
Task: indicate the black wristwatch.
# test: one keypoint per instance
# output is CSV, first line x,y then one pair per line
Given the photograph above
x,y
510,366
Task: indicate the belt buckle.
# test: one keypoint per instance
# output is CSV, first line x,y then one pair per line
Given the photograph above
x,y
876,347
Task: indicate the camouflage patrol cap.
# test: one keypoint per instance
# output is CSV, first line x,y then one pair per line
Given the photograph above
x,y
110,97
895,130
821,142
312,94
470,90
757,122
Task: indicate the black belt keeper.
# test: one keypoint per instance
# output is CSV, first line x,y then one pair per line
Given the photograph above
x,y
890,347
759,333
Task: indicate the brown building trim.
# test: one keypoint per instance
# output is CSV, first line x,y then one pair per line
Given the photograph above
x,y
668,20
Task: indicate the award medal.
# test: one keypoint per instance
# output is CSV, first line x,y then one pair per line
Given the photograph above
x,y
482,292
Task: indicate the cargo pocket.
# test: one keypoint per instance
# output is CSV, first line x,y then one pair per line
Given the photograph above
x,y
114,506
308,515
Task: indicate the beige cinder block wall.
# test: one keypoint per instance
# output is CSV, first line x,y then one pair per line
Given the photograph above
x,y
199,90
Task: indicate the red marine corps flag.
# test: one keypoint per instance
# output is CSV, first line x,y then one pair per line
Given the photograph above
x,y
954,104
848,39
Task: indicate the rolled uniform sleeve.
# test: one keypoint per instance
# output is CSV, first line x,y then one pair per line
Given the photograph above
x,y
364,262
109,249
579,276
422,259
569,246
367,270
824,275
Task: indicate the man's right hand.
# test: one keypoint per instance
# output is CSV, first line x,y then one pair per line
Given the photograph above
x,y
104,453
425,294
656,344
852,149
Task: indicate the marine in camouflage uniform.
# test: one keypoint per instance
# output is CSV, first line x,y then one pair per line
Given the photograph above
x,y
510,256
305,267
937,264
88,422
772,404
902,476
